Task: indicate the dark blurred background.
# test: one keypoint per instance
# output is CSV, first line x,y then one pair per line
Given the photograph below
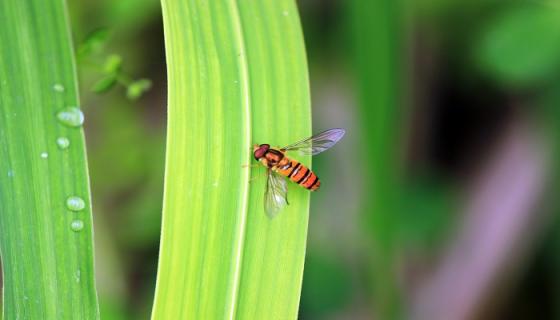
x,y
439,203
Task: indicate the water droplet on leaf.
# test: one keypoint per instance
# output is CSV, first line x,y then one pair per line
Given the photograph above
x,y
63,142
58,87
44,155
75,203
71,116
77,226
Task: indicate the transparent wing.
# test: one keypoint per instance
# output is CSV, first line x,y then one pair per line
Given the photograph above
x,y
276,194
317,143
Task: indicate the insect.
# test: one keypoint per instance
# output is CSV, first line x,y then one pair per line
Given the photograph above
x,y
280,166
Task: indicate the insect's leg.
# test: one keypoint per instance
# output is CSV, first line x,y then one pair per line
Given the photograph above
x,y
250,165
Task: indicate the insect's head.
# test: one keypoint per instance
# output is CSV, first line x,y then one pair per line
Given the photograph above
x,y
260,150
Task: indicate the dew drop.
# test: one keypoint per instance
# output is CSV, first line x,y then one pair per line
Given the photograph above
x,y
11,173
58,87
44,155
77,226
63,142
75,203
78,274
285,13
71,116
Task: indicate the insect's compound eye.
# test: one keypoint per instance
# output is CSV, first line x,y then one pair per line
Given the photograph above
x,y
260,151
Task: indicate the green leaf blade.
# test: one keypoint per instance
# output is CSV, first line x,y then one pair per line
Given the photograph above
x,y
48,267
207,129
233,81
281,103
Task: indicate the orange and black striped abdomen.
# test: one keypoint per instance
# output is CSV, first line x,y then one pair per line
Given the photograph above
x,y
299,174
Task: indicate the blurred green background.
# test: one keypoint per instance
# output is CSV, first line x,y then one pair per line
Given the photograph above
x,y
438,204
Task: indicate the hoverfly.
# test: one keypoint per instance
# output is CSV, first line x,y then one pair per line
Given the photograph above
x,y
280,166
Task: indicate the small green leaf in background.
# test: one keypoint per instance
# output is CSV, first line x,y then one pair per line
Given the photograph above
x,y
137,88
111,69
45,206
522,45
113,64
93,42
237,75
105,84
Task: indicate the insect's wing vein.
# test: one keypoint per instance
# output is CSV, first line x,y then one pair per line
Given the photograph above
x,y
276,193
317,143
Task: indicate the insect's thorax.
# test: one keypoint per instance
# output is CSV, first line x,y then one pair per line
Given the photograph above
x,y
274,158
